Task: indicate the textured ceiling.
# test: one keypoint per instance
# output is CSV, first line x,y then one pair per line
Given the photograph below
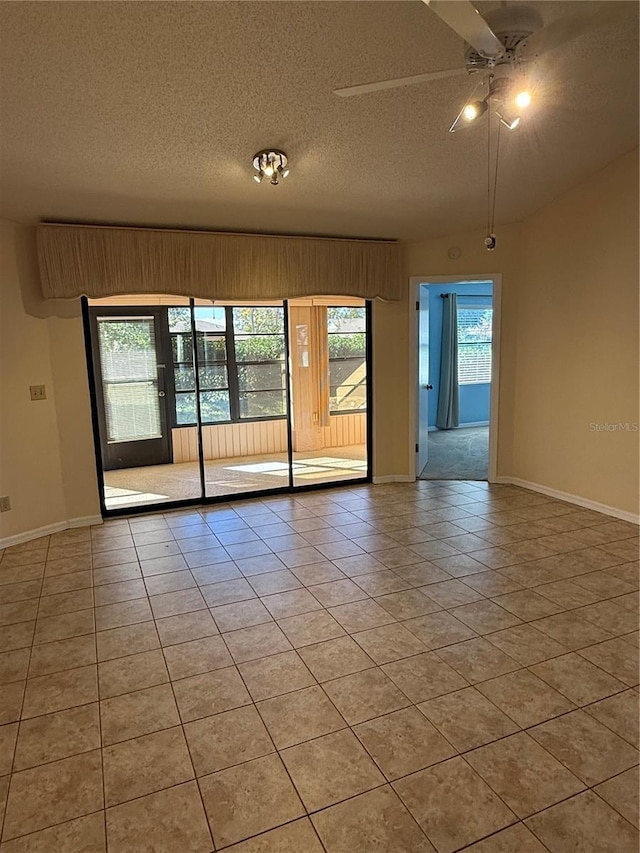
x,y
149,113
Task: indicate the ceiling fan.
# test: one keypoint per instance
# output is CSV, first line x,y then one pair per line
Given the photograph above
x,y
499,45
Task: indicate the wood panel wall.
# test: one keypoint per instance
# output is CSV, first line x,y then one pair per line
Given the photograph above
x,y
309,376
256,438
222,441
344,430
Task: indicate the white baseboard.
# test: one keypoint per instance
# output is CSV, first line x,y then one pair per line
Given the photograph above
x,y
393,478
48,529
613,511
85,521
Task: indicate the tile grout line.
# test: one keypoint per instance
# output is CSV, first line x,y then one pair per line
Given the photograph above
x,y
428,649
21,709
521,729
318,684
186,741
276,750
349,727
398,622
99,704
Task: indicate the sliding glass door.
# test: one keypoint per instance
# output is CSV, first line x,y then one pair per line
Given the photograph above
x,y
208,400
328,359
242,370
142,359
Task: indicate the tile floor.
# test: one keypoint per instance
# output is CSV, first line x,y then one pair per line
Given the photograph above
x,y
401,669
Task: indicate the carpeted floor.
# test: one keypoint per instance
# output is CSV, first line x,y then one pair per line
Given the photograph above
x,y
458,454
162,483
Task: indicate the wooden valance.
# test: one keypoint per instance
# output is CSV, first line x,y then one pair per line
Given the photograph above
x,y
101,261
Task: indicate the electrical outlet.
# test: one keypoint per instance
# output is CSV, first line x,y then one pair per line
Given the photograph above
x,y
5,503
38,392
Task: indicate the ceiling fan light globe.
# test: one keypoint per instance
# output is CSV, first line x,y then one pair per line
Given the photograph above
x,y
473,110
470,112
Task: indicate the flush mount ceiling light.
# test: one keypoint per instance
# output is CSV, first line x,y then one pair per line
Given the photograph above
x,y
271,164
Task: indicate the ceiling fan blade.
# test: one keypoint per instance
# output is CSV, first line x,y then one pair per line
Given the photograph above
x,y
564,30
463,17
397,82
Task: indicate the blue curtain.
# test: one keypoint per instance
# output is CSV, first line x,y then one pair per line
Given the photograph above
x,y
448,415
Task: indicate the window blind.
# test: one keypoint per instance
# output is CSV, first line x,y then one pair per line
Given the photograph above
x,y
474,344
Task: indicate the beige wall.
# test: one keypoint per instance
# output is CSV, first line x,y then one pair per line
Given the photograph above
x,y
569,335
430,258
30,471
569,358
391,457
77,450
46,455
577,347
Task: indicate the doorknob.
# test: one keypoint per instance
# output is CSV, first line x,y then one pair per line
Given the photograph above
x,y
428,387
160,393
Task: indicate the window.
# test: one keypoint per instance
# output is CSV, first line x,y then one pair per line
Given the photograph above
x,y
183,374
260,362
474,344
129,378
241,363
211,340
347,359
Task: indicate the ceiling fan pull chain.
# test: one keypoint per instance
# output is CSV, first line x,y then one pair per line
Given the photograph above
x,y
488,173
495,181
490,239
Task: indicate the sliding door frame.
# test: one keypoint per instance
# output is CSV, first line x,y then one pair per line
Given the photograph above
x,y
203,500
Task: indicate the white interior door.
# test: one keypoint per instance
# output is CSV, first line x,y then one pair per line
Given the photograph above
x,y
422,432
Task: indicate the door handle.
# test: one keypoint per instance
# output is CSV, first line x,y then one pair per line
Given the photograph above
x,y
428,387
160,393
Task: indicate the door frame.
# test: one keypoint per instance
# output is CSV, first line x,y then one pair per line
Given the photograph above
x,y
165,397
423,378
415,283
